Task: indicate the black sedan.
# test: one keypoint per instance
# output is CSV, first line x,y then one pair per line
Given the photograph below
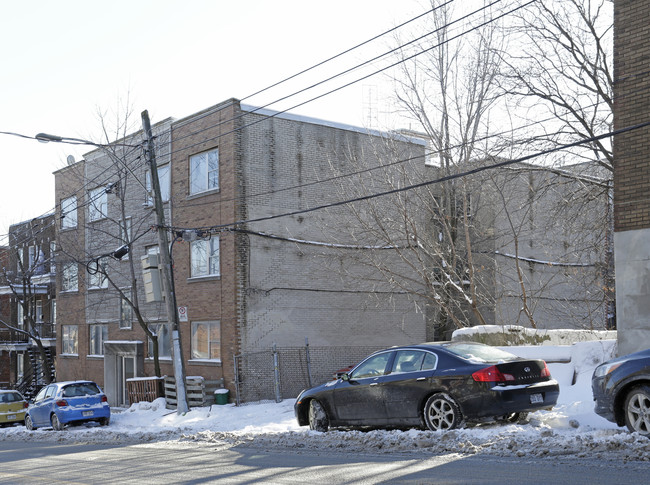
x,y
621,390
438,386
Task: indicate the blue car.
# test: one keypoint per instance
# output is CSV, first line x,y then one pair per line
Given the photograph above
x,y
62,403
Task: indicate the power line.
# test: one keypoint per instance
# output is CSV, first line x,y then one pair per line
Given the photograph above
x,y
220,227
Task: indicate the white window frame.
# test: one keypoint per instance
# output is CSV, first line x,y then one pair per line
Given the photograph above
x,y
204,178
205,258
97,204
53,257
69,212
208,346
97,335
98,280
70,277
70,339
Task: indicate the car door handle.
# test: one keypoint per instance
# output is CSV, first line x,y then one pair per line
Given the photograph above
x,y
421,379
374,383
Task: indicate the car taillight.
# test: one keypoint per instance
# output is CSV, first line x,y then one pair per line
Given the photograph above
x,y
492,374
545,371
25,404
104,399
61,402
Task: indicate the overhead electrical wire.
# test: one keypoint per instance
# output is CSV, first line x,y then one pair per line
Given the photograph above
x,y
221,227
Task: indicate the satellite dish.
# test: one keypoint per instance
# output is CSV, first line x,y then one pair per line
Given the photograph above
x,y
71,160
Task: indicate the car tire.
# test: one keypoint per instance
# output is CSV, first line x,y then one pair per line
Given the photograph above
x,y
29,424
441,413
104,421
637,410
318,420
56,424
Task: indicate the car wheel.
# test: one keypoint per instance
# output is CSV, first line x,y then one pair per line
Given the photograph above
x,y
56,424
104,421
441,413
637,410
29,424
318,420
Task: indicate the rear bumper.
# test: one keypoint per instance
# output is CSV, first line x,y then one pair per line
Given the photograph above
x,y
76,415
9,417
501,400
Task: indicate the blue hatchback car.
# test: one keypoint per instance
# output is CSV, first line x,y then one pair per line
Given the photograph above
x,y
62,403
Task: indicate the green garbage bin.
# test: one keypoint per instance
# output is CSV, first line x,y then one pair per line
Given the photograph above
x,y
221,396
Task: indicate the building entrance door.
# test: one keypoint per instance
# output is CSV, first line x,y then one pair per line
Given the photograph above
x,y
125,370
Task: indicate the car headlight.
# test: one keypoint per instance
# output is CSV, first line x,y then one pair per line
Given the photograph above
x,y
604,369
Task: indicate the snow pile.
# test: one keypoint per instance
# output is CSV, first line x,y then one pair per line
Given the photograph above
x,y
570,430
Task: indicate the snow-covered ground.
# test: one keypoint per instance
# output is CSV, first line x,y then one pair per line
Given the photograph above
x,y
570,430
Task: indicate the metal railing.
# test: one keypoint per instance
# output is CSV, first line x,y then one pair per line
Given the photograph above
x,y
43,330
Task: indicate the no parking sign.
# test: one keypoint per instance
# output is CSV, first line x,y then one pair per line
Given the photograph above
x,y
182,314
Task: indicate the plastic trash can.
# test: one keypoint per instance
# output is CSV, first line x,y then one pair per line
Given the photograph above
x,y
221,396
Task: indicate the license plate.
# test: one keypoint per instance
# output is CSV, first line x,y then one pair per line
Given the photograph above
x,y
536,398
11,416
87,413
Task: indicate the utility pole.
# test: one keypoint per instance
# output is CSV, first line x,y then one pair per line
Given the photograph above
x,y
168,277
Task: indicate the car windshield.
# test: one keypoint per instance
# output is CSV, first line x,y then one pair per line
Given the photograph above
x,y
81,389
480,353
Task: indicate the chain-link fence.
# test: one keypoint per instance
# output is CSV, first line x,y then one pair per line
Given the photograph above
x,y
282,372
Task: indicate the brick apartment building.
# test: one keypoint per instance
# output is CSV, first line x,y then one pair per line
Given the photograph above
x,y
243,287
632,174
27,304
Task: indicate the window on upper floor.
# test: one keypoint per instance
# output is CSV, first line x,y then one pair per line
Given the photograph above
x,y
97,204
164,177
69,212
205,258
204,171
69,277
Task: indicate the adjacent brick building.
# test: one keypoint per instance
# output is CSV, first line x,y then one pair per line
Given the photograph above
x,y
632,173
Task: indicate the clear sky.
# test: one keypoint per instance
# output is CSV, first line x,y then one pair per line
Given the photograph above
x,y
63,62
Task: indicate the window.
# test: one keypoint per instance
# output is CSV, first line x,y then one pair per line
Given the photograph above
x,y
164,177
52,257
206,340
97,204
53,316
20,365
69,277
407,361
164,340
98,335
204,171
38,313
69,212
69,339
98,279
126,312
372,367
205,258
20,314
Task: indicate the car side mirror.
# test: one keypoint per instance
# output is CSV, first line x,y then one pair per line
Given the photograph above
x,y
345,377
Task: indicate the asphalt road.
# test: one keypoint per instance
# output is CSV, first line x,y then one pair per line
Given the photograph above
x,y
187,463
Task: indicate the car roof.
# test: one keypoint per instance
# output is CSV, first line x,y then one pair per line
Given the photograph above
x,y
67,383
3,391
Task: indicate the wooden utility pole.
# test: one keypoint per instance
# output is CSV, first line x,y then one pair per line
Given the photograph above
x,y
167,272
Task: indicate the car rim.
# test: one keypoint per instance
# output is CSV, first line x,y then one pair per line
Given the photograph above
x,y
441,414
638,413
28,423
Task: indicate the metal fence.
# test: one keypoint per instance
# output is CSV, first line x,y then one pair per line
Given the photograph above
x,y
282,372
